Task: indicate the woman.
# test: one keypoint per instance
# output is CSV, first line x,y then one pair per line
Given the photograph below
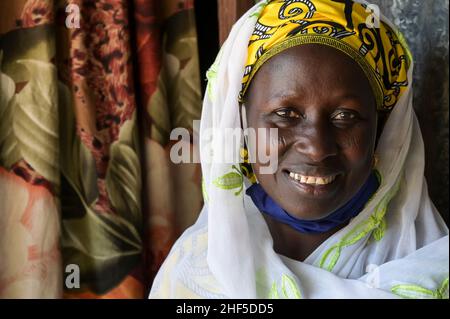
x,y
346,213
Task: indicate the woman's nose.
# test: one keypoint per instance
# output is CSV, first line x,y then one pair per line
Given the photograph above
x,y
316,142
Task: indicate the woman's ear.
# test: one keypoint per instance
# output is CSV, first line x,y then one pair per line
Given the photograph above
x,y
381,120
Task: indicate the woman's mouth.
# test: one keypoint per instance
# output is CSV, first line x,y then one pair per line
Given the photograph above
x,y
316,185
312,180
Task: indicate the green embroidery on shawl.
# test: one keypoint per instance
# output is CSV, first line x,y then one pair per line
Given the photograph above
x,y
273,294
293,288
378,233
289,289
204,192
259,9
231,180
376,224
442,291
211,76
418,292
261,283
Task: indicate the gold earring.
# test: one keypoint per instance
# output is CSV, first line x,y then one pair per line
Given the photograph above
x,y
375,160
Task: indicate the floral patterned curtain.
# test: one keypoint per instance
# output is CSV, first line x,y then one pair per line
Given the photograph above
x,y
85,120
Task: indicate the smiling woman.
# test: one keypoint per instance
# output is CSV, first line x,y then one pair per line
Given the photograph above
x,y
327,130
338,92
327,133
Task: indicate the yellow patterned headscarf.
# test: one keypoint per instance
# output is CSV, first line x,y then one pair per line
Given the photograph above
x,y
345,25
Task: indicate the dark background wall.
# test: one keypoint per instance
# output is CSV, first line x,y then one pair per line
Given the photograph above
x,y
208,35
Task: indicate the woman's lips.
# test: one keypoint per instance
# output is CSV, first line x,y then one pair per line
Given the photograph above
x,y
312,180
316,185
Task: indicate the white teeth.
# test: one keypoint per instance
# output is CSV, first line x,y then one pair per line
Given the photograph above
x,y
312,180
320,181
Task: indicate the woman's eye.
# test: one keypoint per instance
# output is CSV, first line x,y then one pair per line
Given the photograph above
x,y
344,116
291,114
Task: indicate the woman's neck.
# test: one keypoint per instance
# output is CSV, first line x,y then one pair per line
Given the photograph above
x,y
294,244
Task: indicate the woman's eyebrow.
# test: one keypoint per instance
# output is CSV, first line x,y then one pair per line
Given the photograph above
x,y
290,96
353,96
350,96
283,96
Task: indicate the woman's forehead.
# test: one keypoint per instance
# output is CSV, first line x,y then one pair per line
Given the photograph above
x,y
310,68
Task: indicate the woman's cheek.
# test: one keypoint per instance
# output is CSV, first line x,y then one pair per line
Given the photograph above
x,y
356,145
355,137
350,142
286,137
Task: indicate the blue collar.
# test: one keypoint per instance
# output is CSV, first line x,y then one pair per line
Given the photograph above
x,y
352,208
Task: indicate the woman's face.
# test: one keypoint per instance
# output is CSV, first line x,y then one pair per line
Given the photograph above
x,y
324,109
